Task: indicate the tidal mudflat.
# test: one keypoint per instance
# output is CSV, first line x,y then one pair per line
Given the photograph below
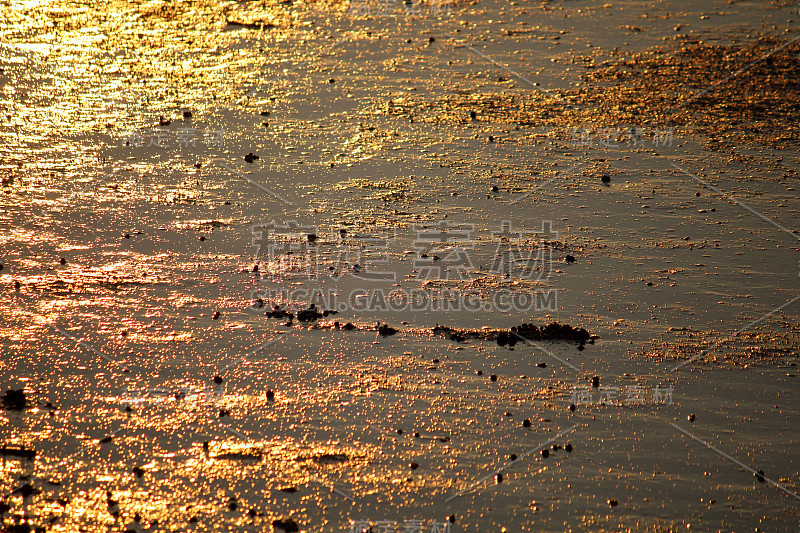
x,y
372,266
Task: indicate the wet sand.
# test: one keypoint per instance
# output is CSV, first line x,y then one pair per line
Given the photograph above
x,y
151,372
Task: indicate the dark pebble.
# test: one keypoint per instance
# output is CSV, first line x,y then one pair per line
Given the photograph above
x,y
451,519
760,476
331,80
62,261
270,396
202,238
493,377
399,431
513,457
288,525
526,423
605,178
595,382
612,502
495,188
215,315
572,407
14,399
541,365
568,447
498,478
545,453
581,347
690,418
187,114
570,259
413,466
312,237
138,472
218,379
479,372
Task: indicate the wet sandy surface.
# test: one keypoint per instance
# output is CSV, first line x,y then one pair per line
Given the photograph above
x,y
388,126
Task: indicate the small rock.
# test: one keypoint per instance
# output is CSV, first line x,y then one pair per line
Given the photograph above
x,y
215,315
760,476
413,466
495,188
545,453
570,259
690,418
493,377
526,423
287,525
595,382
14,399
218,379
568,448
612,502
498,478
605,178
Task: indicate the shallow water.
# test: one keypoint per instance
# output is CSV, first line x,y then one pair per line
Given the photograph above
x,y
686,258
